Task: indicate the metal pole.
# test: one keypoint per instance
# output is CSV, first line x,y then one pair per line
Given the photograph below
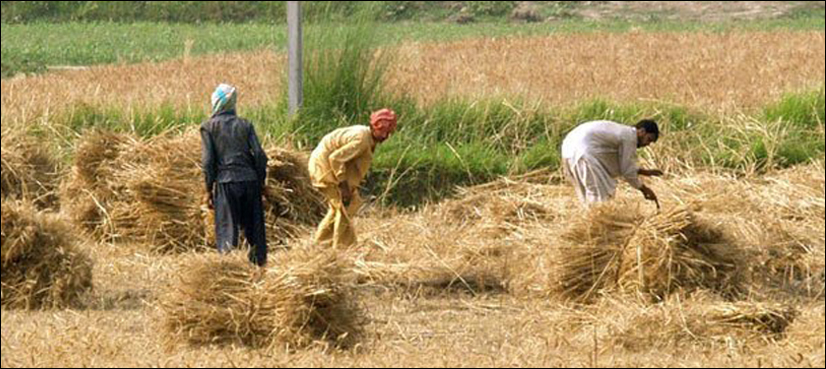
x,y
295,54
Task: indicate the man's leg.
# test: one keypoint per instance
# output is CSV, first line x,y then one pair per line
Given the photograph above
x,y
254,224
599,186
572,172
326,228
344,235
226,229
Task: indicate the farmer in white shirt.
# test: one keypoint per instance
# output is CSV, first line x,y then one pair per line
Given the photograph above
x,y
595,154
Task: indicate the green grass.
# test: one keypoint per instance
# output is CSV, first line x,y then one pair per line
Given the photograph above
x,y
804,109
30,48
167,11
33,47
343,77
274,11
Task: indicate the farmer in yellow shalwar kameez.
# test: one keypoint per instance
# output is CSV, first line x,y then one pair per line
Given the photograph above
x,y
338,166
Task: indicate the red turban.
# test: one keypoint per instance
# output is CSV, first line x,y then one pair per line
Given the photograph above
x,y
383,121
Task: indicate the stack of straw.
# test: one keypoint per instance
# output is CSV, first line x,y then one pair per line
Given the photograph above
x,y
703,319
91,193
29,171
222,300
615,248
41,264
123,189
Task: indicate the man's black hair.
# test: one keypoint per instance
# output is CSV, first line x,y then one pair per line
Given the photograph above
x,y
650,126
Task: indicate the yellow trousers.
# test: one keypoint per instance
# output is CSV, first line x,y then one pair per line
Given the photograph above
x,y
337,228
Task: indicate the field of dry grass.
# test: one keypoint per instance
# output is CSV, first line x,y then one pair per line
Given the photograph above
x,y
183,84
730,274
451,286
736,70
487,332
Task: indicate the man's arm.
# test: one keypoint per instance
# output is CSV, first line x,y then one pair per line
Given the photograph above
x,y
628,163
339,159
650,172
259,156
209,165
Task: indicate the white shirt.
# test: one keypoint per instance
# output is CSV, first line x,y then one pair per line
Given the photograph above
x,y
611,144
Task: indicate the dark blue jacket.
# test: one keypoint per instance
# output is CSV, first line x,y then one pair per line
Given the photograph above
x,y
231,151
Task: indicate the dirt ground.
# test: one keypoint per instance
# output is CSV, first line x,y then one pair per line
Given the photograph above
x,y
692,10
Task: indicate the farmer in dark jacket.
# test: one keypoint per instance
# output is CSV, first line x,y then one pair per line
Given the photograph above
x,y
235,167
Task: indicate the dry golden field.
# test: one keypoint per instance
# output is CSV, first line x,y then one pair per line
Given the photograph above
x,y
737,70
477,290
733,70
509,273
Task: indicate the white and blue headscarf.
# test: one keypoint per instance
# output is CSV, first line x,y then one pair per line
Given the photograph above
x,y
223,99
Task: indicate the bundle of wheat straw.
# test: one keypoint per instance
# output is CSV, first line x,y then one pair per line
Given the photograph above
x,y
28,171
589,261
293,205
304,297
41,264
91,190
698,319
167,190
614,247
150,191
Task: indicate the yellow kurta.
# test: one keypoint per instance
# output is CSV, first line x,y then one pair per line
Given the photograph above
x,y
344,155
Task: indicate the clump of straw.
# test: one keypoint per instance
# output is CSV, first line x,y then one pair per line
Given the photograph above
x,y
292,203
614,247
167,190
28,171
304,297
124,189
421,254
91,192
676,251
41,264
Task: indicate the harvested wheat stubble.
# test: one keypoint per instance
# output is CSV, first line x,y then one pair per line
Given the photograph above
x,y
699,319
422,254
469,245
124,189
41,264
28,171
809,328
305,298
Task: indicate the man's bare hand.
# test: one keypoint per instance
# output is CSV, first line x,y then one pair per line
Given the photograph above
x,y
208,200
651,172
346,193
650,195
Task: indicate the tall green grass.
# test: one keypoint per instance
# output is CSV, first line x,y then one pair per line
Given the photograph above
x,y
168,11
456,142
343,76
